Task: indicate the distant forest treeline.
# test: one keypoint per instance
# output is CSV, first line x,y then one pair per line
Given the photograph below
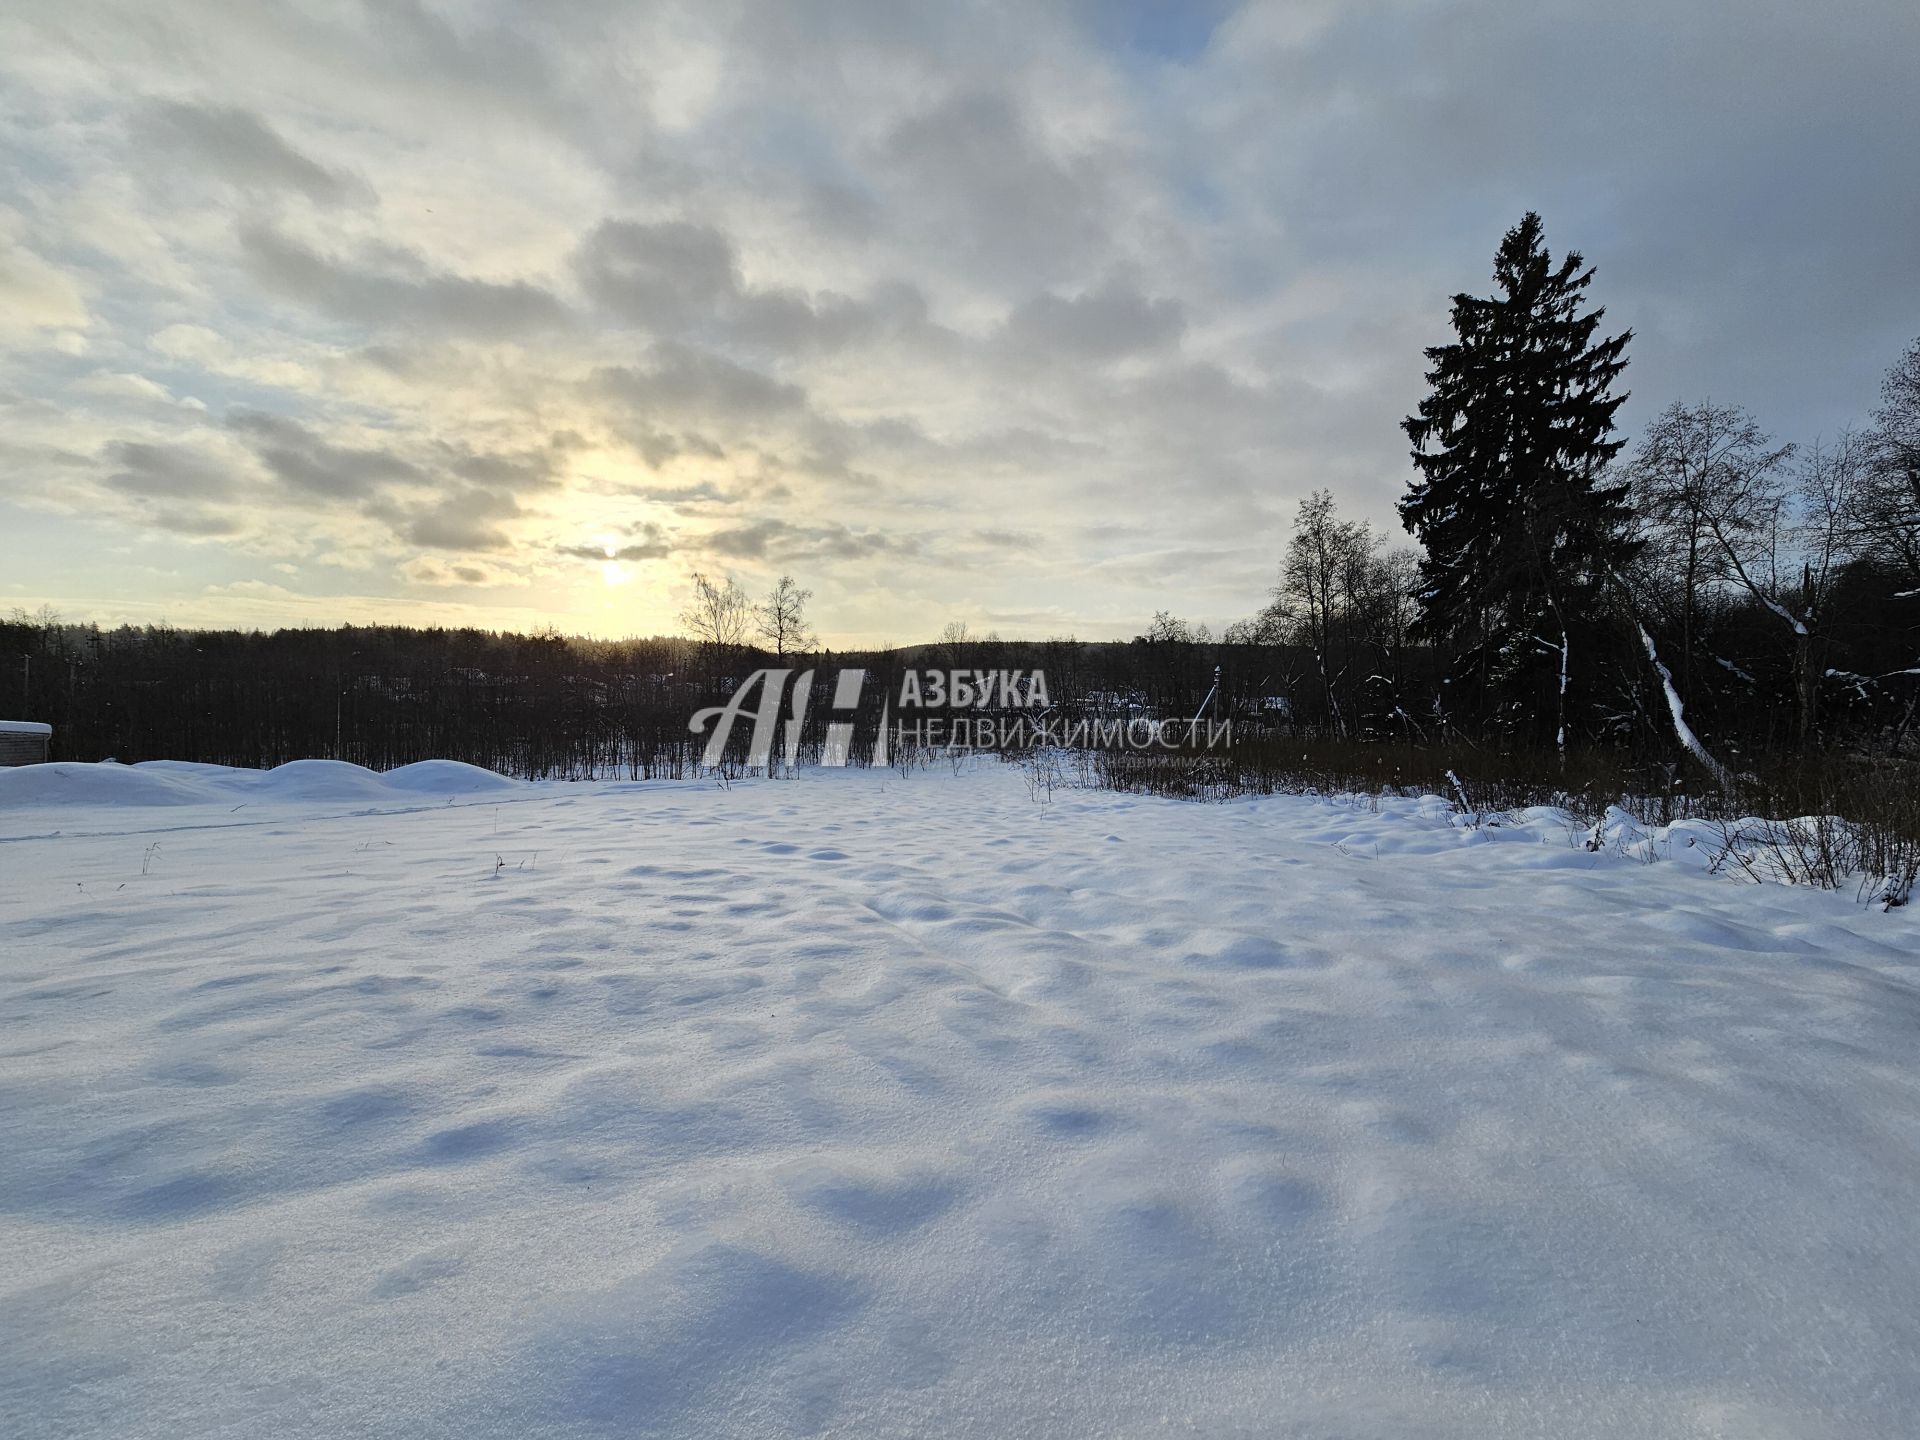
x,y
553,706
537,706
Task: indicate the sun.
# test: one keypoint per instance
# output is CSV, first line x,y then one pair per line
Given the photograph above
x,y
612,572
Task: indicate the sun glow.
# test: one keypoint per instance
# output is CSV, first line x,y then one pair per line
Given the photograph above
x,y
612,572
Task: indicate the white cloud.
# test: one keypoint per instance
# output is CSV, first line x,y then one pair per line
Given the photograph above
x,y
35,294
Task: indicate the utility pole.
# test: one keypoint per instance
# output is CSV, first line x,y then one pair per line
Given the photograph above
x,y
1215,690
339,693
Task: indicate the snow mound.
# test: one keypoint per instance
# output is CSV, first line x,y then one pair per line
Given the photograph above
x,y
67,782
446,777
195,768
319,780
182,782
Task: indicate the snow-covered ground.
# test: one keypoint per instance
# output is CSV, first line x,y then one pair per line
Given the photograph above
x,y
440,1105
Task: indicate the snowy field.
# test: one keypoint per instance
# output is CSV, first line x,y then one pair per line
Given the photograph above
x,y
441,1105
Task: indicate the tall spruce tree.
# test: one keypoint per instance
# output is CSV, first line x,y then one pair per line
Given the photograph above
x,y
1521,530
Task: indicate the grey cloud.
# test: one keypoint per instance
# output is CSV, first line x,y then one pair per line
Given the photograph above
x,y
241,147
1201,402
1009,539
649,550
1161,567
424,570
846,214
655,447
783,541
787,321
1105,324
520,471
304,462
198,524
646,541
987,192
468,493
419,296
1056,622
172,472
682,382
679,279
667,276
390,358
177,487
465,520
706,497
1024,448
748,542
706,492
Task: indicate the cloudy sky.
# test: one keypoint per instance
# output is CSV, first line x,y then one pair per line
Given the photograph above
x,y
1038,316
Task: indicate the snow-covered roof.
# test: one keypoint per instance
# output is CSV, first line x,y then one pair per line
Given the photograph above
x,y
24,727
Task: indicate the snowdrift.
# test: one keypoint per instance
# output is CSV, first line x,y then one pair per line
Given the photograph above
x,y
176,782
108,783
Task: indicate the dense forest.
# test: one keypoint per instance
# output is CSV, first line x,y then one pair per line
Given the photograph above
x,y
538,706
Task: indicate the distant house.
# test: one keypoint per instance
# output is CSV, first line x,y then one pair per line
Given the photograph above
x,y
24,742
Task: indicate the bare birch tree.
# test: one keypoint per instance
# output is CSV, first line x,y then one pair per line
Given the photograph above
x,y
719,615
782,618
